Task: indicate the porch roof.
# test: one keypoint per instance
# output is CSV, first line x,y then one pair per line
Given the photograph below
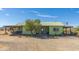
x,y
13,26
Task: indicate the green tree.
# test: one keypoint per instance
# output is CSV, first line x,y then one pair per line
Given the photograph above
x,y
32,25
37,26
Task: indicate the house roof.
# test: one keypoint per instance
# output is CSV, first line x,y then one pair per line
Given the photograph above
x,y
43,24
52,24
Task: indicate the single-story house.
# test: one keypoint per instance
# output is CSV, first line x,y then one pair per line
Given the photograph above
x,y
47,28
54,28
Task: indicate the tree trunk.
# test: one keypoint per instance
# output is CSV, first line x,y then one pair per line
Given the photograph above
x,y
31,33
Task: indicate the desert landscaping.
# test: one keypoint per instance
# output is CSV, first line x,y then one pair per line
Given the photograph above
x,y
26,43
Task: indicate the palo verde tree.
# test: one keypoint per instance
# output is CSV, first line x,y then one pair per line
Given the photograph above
x,y
37,26
32,25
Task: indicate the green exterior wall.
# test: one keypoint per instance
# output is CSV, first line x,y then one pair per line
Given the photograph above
x,y
52,32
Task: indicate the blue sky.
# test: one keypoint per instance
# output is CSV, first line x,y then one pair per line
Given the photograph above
x,y
10,16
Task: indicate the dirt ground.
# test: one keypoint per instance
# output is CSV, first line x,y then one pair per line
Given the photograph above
x,y
23,43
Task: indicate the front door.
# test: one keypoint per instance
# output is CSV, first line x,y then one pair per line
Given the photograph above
x,y
45,30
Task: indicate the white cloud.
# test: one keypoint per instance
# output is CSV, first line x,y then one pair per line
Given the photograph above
x,y
7,14
1,9
36,12
47,16
44,15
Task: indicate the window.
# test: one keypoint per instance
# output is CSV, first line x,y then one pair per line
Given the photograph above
x,y
55,29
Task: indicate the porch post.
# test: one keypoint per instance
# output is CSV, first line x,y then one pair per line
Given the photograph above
x,y
70,31
5,30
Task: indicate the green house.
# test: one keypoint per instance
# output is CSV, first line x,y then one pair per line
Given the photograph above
x,y
50,28
47,28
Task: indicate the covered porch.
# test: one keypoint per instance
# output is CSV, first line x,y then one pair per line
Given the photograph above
x,y
13,29
68,30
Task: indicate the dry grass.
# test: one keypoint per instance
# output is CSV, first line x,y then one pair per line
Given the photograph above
x,y
17,43
23,43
